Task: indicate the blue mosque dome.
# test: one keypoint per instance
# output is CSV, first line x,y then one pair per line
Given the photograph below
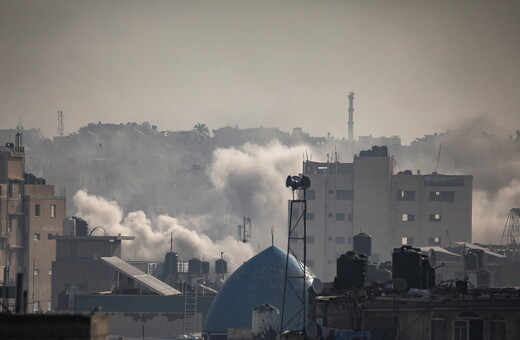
x,y
258,281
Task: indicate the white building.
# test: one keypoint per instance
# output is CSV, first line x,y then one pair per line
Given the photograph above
x,y
395,209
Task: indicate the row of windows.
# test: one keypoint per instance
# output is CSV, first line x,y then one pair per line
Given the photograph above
x,y
37,210
342,195
411,218
438,196
36,271
468,325
338,239
339,216
432,241
36,306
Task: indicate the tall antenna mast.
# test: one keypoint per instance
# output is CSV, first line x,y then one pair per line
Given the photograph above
x,y
60,123
351,116
171,242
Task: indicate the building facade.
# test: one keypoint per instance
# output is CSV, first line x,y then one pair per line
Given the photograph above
x,y
29,213
395,209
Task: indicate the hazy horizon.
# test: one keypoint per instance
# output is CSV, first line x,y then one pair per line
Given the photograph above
x,y
416,67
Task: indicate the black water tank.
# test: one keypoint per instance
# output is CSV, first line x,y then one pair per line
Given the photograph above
x,y
483,279
427,272
363,244
351,271
205,267
470,262
170,263
63,301
406,265
194,266
221,266
81,226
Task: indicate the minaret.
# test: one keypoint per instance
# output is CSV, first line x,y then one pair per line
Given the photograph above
x,y
351,116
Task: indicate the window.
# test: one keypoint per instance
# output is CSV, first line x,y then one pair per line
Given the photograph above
x,y
434,241
497,328
50,271
330,238
331,191
310,239
36,237
36,271
340,217
406,195
460,330
310,216
407,217
468,325
350,217
438,328
340,240
344,195
329,214
311,194
49,305
407,241
36,306
310,263
2,243
435,217
36,210
53,210
442,196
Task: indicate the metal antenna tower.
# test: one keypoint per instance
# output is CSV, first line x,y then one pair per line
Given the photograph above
x,y
297,247
60,123
244,231
511,234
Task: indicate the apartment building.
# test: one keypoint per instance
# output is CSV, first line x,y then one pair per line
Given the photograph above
x,y
29,213
394,208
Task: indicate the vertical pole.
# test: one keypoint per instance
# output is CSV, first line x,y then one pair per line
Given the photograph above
x,y
19,293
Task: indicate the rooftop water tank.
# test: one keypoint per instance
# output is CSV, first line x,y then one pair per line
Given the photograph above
x,y
351,271
406,265
363,244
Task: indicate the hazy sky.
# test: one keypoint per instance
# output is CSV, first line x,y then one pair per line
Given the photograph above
x,y
415,66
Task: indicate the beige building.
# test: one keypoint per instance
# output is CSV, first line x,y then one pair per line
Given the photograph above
x,y
395,209
29,213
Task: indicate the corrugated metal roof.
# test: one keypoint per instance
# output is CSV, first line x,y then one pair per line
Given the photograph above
x,y
472,246
139,276
438,249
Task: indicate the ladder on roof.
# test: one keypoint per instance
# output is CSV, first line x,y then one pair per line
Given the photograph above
x,y
190,309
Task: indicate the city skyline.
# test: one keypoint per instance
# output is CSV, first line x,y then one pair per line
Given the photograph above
x,y
415,68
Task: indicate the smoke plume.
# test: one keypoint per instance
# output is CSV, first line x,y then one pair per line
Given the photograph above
x,y
152,237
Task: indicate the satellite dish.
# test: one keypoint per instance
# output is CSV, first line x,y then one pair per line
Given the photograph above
x,y
311,329
317,286
432,257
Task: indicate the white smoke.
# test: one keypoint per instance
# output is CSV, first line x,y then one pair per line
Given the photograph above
x,y
248,181
152,237
251,181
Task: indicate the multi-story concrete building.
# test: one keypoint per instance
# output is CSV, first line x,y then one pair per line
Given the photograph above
x,y
395,209
29,213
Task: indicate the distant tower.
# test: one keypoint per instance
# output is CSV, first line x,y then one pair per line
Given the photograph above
x,y
60,123
351,116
